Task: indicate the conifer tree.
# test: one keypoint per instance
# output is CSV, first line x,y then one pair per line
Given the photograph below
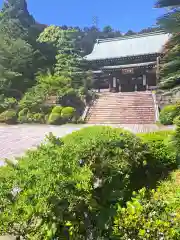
x,y
170,67
68,58
15,19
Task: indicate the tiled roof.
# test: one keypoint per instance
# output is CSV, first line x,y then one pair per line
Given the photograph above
x,y
142,44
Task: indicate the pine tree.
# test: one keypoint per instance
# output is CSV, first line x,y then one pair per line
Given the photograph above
x,y
69,61
170,67
16,68
15,19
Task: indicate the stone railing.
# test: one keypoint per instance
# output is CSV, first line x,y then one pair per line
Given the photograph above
x,y
156,107
89,105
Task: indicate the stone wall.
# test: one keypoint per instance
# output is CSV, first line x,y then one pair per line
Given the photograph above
x,y
167,98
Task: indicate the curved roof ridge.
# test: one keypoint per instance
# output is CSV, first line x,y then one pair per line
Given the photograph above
x,y
139,35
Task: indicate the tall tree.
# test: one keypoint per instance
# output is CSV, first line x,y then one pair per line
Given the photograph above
x,y
107,29
15,18
129,33
16,65
16,24
170,67
69,62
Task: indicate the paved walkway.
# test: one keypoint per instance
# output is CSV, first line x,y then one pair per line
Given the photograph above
x,y
16,139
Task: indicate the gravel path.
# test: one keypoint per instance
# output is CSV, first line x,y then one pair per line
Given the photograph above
x,y
17,139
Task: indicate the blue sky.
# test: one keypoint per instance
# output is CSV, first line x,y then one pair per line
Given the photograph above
x,y
120,14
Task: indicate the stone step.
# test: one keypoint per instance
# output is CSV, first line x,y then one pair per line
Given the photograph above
x,y
123,108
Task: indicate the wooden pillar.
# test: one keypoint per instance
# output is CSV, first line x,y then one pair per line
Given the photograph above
x,y
158,70
145,84
110,83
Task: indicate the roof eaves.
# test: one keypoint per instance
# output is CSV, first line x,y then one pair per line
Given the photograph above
x,y
131,65
125,57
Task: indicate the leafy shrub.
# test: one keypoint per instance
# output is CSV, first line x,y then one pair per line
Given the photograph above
x,y
68,112
25,116
69,187
23,112
161,156
35,117
46,118
176,139
7,103
34,98
57,109
168,114
38,118
22,115
72,98
9,116
46,109
54,119
154,216
69,181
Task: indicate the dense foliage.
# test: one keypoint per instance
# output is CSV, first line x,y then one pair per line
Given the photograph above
x,y
169,73
151,215
169,113
69,188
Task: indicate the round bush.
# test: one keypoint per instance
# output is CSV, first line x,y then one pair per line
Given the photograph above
x,y
68,112
38,118
57,109
168,114
161,156
54,119
9,116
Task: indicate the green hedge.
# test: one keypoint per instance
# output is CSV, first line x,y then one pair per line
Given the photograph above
x,y
154,215
68,113
168,114
54,119
71,186
57,109
25,116
161,155
9,116
60,183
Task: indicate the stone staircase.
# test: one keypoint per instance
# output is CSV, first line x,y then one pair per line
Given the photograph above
x,y
123,108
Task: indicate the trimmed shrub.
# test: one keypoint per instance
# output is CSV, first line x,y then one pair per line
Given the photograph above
x,y
161,156
151,216
38,118
68,113
57,109
168,114
54,119
9,116
59,184
82,176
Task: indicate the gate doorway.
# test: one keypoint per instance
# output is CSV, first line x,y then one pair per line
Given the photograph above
x,y
127,84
